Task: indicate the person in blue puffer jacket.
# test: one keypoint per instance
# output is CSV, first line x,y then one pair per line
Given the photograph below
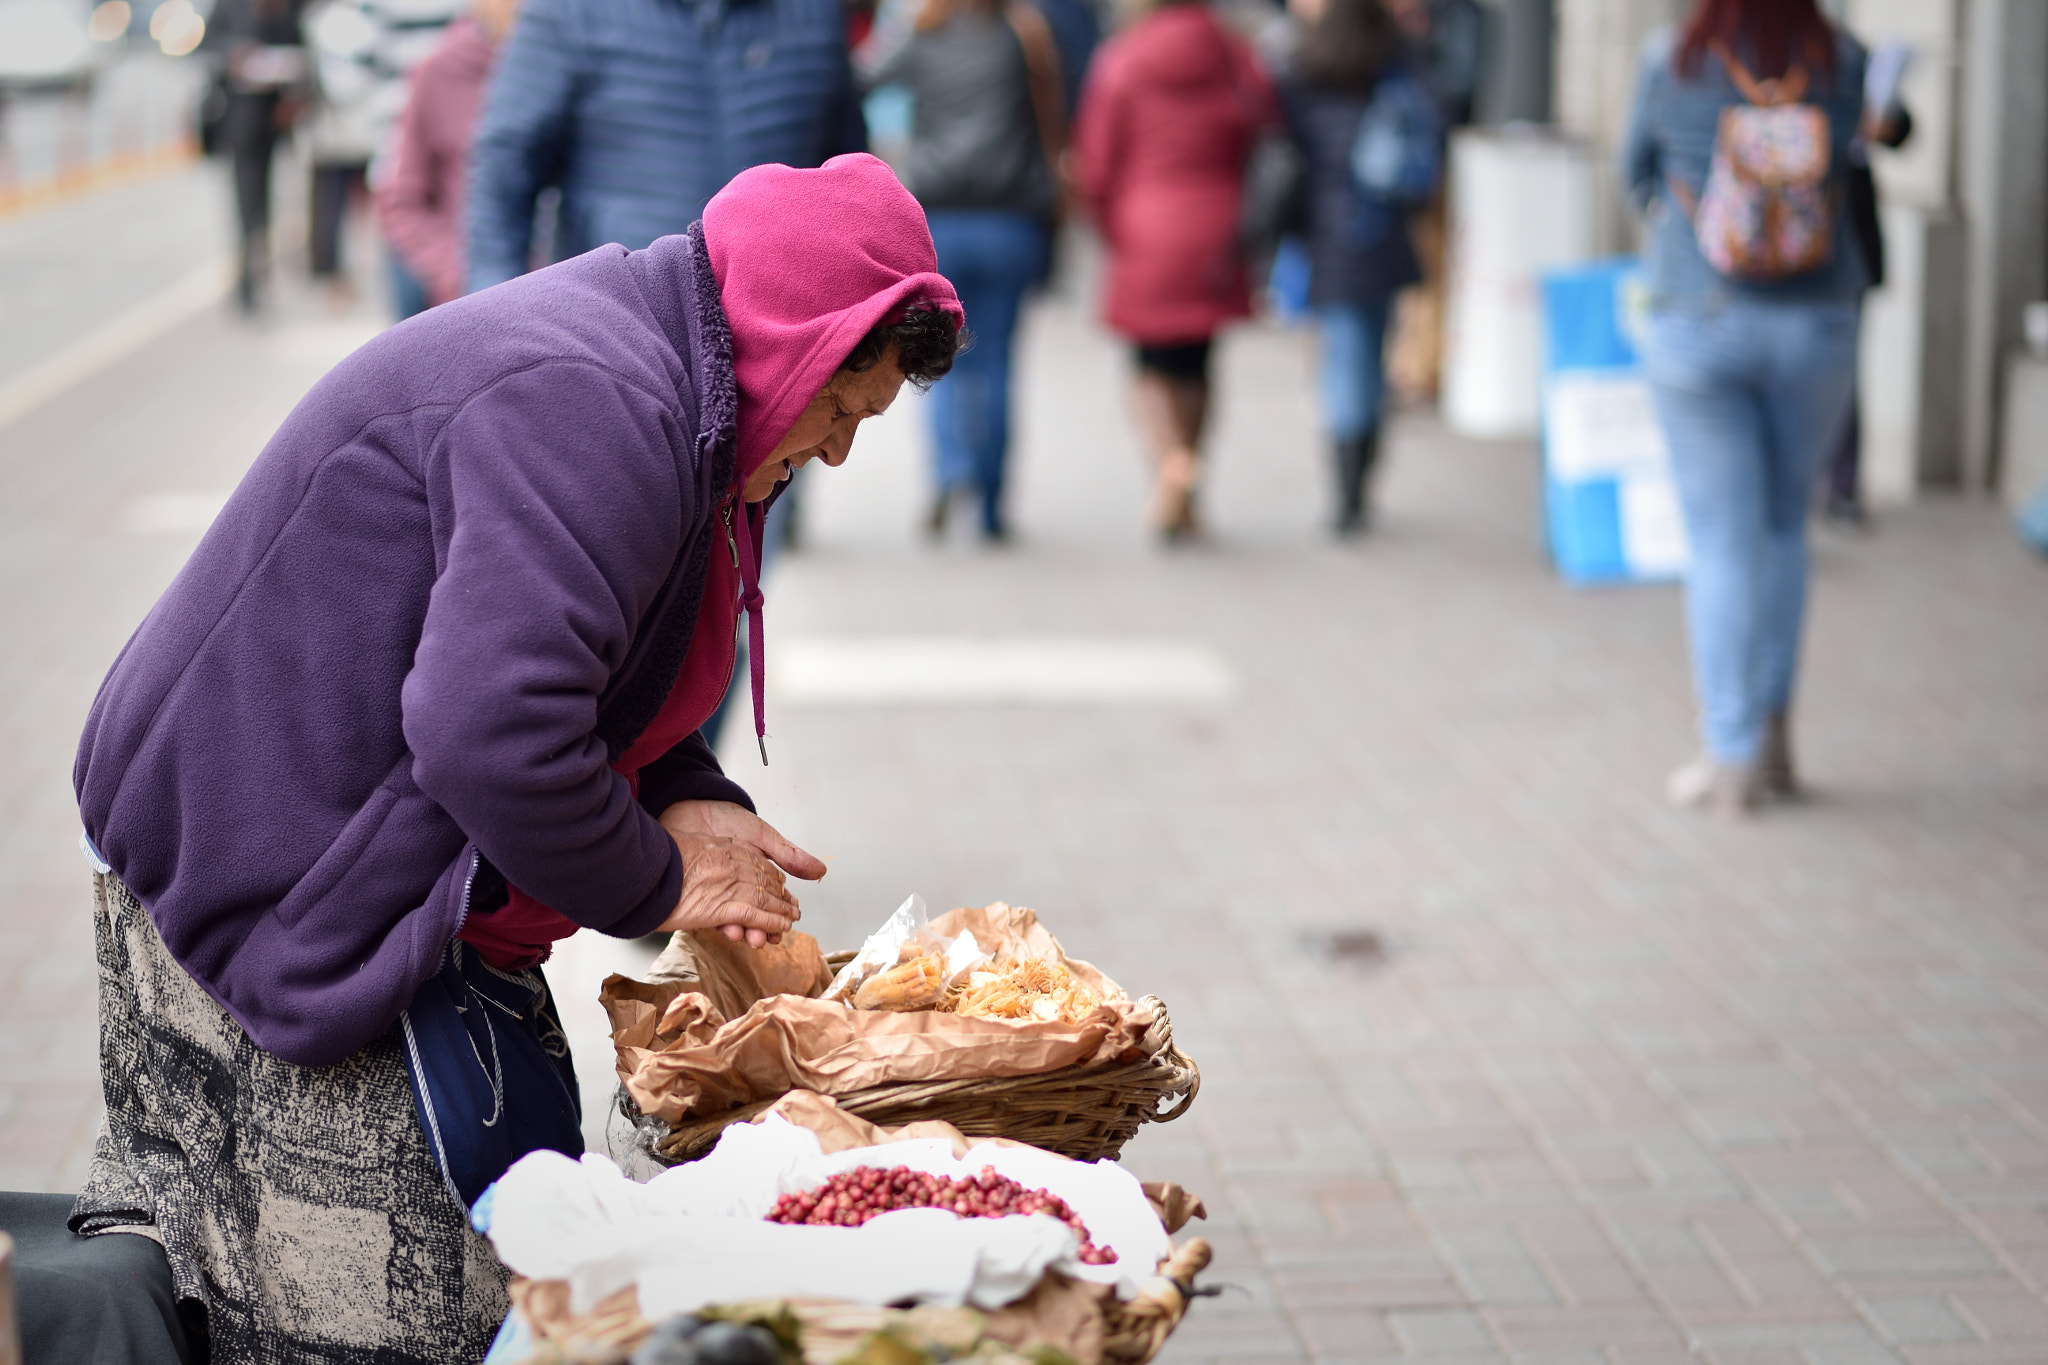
x,y
639,111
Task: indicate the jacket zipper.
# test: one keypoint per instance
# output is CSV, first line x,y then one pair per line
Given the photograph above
x,y
476,859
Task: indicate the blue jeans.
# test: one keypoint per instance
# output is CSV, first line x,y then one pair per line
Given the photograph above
x,y
1354,335
992,258
1750,396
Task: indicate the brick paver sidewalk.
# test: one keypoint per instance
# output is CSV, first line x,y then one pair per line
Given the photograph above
x,y
1625,1085
1621,1085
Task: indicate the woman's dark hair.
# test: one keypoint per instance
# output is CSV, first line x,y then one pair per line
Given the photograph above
x,y
926,341
1770,36
1347,47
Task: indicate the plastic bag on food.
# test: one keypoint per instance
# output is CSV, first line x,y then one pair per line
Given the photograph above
x,y
882,949
920,964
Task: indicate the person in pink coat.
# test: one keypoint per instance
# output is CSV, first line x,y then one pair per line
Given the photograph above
x,y
420,203
1167,119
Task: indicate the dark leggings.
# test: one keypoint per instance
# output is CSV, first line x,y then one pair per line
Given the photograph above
x,y
251,130
332,186
1183,360
104,1300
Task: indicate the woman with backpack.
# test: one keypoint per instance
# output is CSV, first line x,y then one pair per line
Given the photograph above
x,y
1737,149
1166,123
1340,96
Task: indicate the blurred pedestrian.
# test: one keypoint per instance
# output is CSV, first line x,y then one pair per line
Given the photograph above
x,y
1841,492
859,18
1750,346
1444,42
1076,33
987,130
420,202
638,111
1166,123
1360,252
362,53
340,129
262,51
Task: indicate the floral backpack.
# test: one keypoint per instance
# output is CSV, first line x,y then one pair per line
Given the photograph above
x,y
1768,209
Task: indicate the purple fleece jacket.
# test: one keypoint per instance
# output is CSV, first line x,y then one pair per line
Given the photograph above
x,y
457,583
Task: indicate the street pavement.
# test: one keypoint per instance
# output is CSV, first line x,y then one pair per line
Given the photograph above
x,y
1502,1059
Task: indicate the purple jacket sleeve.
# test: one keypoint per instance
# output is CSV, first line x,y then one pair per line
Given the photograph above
x,y
688,772
563,509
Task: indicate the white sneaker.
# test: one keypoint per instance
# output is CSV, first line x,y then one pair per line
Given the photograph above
x,y
1726,789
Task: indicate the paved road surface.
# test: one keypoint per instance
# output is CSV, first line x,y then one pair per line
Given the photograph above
x,y
1618,1086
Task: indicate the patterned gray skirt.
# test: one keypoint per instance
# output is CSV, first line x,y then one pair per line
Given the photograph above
x,y
299,1205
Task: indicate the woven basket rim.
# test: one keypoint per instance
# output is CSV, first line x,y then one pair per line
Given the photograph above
x,y
1161,1067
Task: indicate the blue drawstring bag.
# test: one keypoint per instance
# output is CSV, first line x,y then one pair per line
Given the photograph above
x,y
1397,156
1287,285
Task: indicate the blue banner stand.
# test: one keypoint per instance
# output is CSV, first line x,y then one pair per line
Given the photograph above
x,y
1611,512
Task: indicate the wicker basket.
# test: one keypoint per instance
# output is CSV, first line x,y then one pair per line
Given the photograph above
x,y
1085,1113
1133,1332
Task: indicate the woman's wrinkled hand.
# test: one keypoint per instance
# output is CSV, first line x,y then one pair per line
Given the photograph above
x,y
733,872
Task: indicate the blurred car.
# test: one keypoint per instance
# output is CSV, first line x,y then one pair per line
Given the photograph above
x,y
44,45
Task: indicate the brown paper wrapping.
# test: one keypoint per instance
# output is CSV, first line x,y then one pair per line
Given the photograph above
x,y
735,976
732,1026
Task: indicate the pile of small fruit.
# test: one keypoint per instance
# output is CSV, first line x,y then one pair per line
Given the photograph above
x,y
850,1198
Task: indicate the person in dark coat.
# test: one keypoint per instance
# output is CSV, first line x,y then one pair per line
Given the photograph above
x,y
1360,253
638,111
1167,120
425,700
261,47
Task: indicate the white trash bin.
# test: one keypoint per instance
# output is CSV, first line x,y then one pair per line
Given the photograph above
x,y
1522,203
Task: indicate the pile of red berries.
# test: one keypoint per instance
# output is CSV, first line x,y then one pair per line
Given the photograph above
x,y
851,1198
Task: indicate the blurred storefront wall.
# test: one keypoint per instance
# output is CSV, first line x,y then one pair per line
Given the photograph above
x,y
133,112
1965,217
1914,327
2002,183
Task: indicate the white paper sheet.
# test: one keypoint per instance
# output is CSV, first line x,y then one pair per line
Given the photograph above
x,y
697,1234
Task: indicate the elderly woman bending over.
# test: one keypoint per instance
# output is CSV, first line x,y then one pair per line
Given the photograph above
x,y
426,700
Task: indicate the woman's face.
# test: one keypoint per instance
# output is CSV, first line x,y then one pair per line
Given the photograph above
x,y
825,431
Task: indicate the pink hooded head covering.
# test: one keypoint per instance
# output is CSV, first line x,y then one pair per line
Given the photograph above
x,y
808,263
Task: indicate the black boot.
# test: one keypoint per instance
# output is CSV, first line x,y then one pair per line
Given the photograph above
x,y
1355,459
